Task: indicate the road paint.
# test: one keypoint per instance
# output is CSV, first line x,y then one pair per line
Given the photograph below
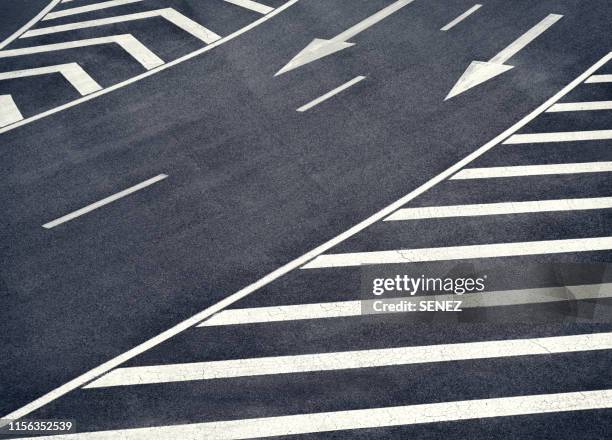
x,y
581,106
599,79
567,136
169,14
342,309
9,113
495,250
331,93
430,212
105,201
88,8
384,357
131,45
28,25
533,170
319,48
188,323
253,6
481,71
72,72
363,418
462,17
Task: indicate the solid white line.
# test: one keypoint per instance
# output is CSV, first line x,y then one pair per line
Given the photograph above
x,y
564,136
495,250
127,41
599,79
296,263
500,208
351,359
253,6
29,24
9,113
525,39
363,418
462,17
331,93
72,72
105,201
533,170
88,8
169,14
340,309
581,106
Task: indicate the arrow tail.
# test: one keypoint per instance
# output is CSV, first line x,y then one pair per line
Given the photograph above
x,y
371,20
525,39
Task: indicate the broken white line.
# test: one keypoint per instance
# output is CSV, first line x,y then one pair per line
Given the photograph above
x,y
104,201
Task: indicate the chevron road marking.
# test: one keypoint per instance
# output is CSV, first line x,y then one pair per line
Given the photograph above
x,y
73,73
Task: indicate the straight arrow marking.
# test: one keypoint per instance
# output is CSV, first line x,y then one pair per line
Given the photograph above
x,y
480,71
319,48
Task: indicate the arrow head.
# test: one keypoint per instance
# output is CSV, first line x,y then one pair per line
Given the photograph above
x,y
477,73
318,48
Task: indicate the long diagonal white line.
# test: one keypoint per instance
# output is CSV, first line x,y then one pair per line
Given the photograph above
x,y
363,418
341,309
385,357
9,113
462,17
127,41
73,73
598,79
331,93
564,136
533,170
29,24
495,250
581,106
105,201
296,263
252,5
502,208
169,14
88,8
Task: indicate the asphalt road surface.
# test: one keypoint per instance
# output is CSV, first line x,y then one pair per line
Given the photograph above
x,y
196,198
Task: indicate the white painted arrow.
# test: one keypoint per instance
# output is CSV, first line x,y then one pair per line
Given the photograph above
x,y
319,48
481,71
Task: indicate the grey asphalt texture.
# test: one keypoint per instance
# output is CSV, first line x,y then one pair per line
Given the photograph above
x,y
254,184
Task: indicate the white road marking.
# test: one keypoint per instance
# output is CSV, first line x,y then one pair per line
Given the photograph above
x,y
533,170
9,113
564,136
495,250
385,357
297,262
127,41
29,24
341,309
599,79
319,48
105,201
501,208
462,17
362,418
88,8
174,17
331,93
481,71
253,6
72,72
581,106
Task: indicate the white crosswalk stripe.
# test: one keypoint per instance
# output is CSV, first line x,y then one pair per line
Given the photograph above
x,y
128,42
169,14
73,73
